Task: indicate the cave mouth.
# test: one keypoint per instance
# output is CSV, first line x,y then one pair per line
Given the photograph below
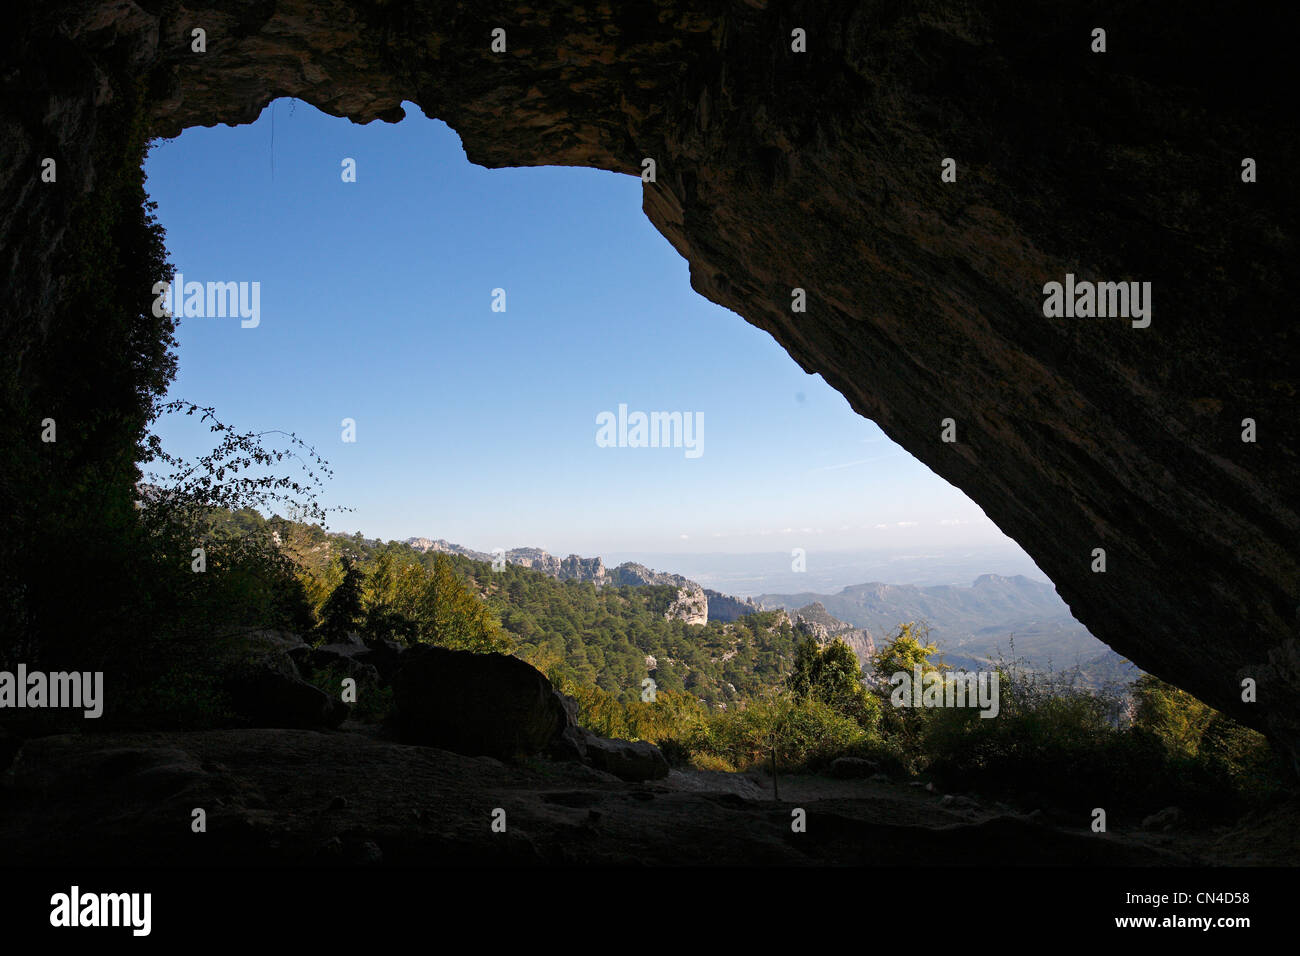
x,y
291,199
1074,435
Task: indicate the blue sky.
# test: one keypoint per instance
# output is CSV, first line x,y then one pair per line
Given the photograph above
x,y
480,426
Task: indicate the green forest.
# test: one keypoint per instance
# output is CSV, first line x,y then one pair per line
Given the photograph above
x,y
755,694
572,631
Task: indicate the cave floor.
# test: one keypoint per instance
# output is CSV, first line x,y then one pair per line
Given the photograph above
x,y
349,797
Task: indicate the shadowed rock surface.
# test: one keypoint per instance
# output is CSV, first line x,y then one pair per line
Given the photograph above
x,y
477,704
305,797
626,759
820,171
270,693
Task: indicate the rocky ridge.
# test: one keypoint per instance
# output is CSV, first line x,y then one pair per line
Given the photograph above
x,y
817,623
691,604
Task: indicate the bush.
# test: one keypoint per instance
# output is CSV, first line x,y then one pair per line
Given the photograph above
x,y
806,735
710,761
1073,746
374,703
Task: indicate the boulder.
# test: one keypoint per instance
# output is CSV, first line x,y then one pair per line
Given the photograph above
x,y
329,653
301,657
570,706
350,660
1167,819
633,760
385,656
276,640
366,675
853,768
269,693
476,704
569,743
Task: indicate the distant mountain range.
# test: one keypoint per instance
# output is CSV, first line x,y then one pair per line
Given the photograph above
x,y
825,572
971,625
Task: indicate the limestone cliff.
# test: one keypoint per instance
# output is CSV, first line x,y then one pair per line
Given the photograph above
x,y
690,606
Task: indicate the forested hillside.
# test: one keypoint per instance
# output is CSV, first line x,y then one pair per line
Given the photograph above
x,y
757,691
611,637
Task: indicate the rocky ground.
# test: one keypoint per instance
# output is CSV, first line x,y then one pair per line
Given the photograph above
x,y
276,797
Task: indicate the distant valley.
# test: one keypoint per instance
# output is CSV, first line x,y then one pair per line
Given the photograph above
x,y
972,625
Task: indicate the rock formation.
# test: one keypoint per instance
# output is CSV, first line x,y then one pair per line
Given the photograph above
x,y
631,574
690,606
573,567
779,170
725,608
268,691
814,621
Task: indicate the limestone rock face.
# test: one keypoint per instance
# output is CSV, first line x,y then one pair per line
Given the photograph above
x,y
820,171
631,574
574,567
725,608
690,606
815,621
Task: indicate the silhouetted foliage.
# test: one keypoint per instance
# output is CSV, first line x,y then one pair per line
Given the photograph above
x,y
341,611
96,371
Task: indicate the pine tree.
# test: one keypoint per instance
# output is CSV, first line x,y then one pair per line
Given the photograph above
x,y
342,610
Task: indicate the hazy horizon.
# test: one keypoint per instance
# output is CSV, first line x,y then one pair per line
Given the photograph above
x,y
745,574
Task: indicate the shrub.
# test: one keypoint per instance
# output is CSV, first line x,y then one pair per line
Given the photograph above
x,y
374,702
711,761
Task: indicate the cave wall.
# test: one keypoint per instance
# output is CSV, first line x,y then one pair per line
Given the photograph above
x,y
821,170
